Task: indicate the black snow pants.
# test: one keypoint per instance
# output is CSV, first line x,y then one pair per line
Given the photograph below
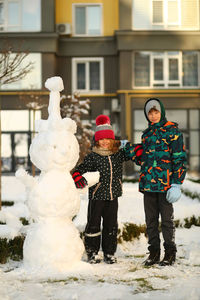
x,y
97,210
155,204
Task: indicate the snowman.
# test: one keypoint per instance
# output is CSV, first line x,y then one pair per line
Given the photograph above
x,y
52,242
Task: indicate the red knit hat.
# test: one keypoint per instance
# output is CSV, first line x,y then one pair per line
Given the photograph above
x,y
103,129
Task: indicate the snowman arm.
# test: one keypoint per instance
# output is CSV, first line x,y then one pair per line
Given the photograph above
x,y
91,177
25,178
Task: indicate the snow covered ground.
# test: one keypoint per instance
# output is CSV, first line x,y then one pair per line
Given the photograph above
x,y
127,279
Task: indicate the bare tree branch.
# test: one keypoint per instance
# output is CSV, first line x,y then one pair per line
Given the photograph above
x,y
11,69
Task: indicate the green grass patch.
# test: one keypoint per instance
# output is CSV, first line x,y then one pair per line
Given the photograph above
x,y
11,249
194,180
101,280
187,222
192,195
7,203
65,281
161,277
134,269
24,221
130,231
139,256
132,180
144,284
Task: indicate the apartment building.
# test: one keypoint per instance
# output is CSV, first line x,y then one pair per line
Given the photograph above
x,y
118,53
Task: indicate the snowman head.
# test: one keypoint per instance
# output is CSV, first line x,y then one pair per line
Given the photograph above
x,y
55,145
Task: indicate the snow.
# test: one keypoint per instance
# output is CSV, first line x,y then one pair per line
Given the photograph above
x,y
127,279
53,265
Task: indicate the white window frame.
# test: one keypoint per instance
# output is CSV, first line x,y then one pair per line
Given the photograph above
x,y
6,26
87,60
165,22
166,55
74,5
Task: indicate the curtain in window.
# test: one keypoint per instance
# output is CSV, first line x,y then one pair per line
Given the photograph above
x,y
173,12
142,69
94,76
81,73
190,68
1,14
31,15
173,69
158,69
14,15
157,12
94,20
80,17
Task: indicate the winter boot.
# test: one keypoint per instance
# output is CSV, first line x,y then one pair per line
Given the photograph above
x,y
109,259
154,258
169,258
93,258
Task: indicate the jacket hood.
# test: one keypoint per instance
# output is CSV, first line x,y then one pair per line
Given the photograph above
x,y
150,103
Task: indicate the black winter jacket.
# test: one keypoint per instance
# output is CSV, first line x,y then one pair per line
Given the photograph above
x,y
109,186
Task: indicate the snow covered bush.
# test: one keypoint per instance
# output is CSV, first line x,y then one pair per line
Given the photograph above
x,y
75,108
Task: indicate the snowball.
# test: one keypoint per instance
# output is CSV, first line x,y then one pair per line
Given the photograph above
x,y
20,173
69,125
54,84
92,177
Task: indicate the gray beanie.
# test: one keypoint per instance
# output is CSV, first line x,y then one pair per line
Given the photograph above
x,y
153,103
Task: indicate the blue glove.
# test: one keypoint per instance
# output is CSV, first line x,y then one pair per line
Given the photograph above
x,y
123,143
174,193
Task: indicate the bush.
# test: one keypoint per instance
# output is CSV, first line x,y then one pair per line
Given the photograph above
x,y
192,195
130,231
12,249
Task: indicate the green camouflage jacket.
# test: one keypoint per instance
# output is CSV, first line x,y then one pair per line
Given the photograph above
x,y
163,161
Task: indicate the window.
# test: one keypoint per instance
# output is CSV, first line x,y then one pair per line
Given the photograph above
x,y
166,12
18,15
87,19
157,12
87,75
172,69
33,80
19,120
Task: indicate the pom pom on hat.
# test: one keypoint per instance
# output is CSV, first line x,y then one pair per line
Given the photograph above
x,y
103,129
102,119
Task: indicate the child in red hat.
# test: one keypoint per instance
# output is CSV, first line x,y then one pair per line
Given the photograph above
x,y
107,158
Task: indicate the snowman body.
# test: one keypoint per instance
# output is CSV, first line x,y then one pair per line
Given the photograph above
x,y
52,242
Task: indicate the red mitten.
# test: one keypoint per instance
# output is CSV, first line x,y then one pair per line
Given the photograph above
x,y
79,180
138,150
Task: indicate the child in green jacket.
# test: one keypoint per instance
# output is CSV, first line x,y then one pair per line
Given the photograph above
x,y
163,169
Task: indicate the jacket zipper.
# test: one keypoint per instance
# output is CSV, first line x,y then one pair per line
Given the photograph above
x,y
95,190
168,181
111,176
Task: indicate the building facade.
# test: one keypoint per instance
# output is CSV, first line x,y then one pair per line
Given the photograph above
x,y
118,53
